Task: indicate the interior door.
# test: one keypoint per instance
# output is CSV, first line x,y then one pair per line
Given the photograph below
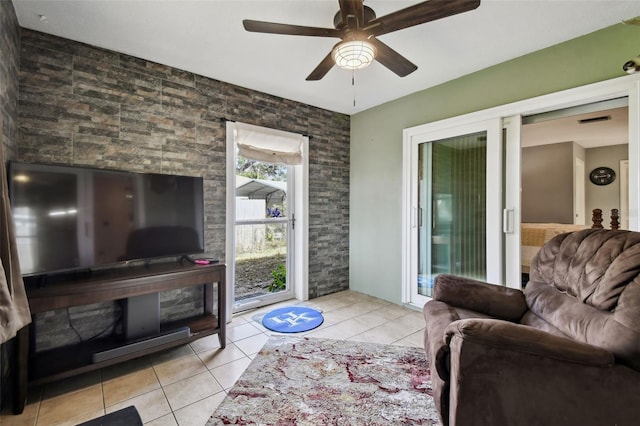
x,y
456,205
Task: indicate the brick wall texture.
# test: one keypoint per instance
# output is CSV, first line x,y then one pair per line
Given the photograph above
x,y
83,105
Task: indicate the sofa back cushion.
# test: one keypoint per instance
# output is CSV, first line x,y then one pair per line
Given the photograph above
x,y
587,285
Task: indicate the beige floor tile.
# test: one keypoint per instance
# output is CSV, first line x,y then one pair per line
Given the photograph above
x,y
217,357
172,370
351,296
227,374
242,331
150,406
206,343
252,345
81,418
124,368
247,316
374,319
366,306
416,340
74,404
328,305
193,375
199,412
177,352
168,420
27,418
377,335
391,312
129,385
391,331
408,324
193,389
237,319
260,327
72,384
338,315
342,330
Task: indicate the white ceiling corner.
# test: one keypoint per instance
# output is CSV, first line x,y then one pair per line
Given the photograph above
x,y
206,37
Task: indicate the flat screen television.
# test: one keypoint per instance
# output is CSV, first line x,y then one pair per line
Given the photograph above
x,y
70,218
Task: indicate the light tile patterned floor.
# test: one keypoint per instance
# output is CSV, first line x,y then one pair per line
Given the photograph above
x,y
183,386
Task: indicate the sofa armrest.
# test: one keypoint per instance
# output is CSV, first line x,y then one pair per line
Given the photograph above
x,y
528,340
510,374
497,301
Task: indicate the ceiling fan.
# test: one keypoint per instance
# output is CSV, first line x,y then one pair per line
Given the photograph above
x,y
358,28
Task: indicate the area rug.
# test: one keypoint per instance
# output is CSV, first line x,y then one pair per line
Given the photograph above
x,y
311,381
292,319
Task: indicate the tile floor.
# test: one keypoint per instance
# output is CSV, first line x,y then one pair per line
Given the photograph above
x,y
184,385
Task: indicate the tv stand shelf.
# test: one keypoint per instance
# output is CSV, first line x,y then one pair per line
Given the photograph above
x,y
34,368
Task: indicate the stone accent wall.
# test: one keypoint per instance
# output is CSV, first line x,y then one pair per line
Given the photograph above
x,y
9,65
84,105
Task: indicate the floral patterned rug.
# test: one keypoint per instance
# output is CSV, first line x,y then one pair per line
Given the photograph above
x,y
310,381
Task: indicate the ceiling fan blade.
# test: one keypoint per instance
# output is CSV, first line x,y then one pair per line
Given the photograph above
x,y
287,29
322,69
419,14
392,59
352,13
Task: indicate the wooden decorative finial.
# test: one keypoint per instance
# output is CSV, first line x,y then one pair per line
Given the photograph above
x,y
597,219
615,223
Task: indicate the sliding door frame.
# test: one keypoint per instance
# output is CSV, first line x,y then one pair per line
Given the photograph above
x,y
492,129
627,86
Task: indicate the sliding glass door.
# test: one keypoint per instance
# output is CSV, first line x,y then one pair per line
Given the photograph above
x,y
456,206
453,208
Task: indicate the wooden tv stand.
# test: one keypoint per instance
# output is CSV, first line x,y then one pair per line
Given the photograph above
x,y
33,368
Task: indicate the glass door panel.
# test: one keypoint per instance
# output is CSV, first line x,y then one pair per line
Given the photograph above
x,y
263,231
452,209
261,259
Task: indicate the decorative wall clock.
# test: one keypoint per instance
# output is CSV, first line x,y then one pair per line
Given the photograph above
x,y
602,176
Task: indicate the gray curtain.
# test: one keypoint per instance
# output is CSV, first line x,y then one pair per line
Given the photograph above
x,y
14,306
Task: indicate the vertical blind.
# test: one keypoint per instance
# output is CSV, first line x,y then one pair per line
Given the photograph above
x,y
456,232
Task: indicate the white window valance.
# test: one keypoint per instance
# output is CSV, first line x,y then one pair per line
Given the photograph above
x,y
269,145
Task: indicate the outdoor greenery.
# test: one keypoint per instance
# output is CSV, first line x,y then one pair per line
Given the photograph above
x,y
255,169
279,281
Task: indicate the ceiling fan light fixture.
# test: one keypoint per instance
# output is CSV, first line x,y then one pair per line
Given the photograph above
x,y
354,54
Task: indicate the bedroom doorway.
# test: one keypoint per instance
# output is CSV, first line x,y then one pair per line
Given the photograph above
x,y
562,151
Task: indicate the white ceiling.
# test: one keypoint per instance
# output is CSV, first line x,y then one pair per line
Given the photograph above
x,y
206,37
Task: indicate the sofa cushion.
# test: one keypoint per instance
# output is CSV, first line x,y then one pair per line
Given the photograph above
x,y
587,285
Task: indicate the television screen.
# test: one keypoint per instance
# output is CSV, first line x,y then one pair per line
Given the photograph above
x,y
68,218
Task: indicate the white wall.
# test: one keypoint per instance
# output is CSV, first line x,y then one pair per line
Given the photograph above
x,y
604,197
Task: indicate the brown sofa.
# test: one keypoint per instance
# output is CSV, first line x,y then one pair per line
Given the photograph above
x,y
566,351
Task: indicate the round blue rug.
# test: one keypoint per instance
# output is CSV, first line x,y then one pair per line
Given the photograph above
x,y
292,319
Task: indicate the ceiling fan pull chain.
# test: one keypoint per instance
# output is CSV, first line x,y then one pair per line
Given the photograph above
x,y
353,85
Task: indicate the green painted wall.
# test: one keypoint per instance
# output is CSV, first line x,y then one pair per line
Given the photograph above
x,y
376,138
